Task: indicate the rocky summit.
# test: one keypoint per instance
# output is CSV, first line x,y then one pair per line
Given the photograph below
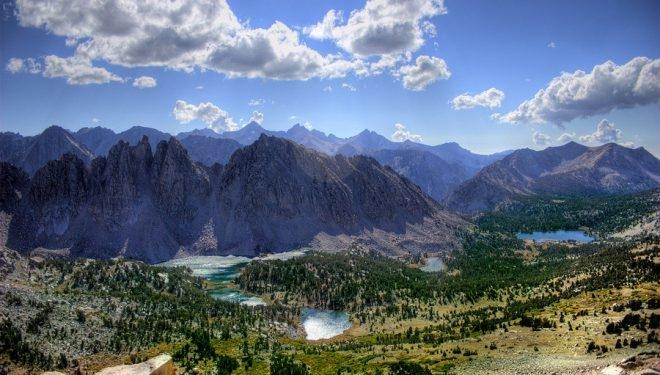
x,y
271,196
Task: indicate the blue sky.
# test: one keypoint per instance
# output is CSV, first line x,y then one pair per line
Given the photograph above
x,y
514,47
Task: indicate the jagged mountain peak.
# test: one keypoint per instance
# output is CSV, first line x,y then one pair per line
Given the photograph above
x,y
273,195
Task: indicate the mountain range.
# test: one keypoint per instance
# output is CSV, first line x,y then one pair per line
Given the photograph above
x,y
438,169
464,181
271,196
571,169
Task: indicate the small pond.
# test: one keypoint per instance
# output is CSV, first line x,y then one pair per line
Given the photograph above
x,y
324,324
559,235
433,264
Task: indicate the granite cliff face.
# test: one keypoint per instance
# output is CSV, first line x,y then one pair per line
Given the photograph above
x,y
271,196
571,169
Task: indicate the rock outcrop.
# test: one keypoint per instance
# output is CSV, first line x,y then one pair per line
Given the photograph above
x,y
160,365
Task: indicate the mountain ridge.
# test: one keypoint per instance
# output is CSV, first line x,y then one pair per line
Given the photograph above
x,y
273,195
570,169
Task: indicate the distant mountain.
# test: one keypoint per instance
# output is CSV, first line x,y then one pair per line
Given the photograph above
x,y
100,139
366,142
571,169
273,195
452,152
433,175
30,153
208,151
314,139
249,133
206,132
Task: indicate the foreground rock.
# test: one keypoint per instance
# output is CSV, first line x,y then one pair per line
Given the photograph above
x,y
641,364
161,365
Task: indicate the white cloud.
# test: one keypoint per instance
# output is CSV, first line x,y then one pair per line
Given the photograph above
x,y
199,87
401,134
382,27
77,70
491,98
179,34
386,62
565,137
425,71
256,102
348,87
580,94
29,65
15,65
95,120
327,89
257,117
541,139
308,125
214,117
144,82
293,117
605,133
552,45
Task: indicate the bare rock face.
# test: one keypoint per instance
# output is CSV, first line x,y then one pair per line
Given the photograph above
x,y
571,169
12,183
273,195
160,365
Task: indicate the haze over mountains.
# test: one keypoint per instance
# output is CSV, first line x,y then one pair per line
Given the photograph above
x,y
571,169
273,195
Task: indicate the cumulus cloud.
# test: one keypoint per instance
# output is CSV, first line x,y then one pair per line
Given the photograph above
x,y
256,102
327,89
401,134
491,98
565,137
605,133
144,82
210,114
29,65
552,45
580,94
348,87
541,139
257,117
15,65
77,70
387,62
425,71
180,34
382,27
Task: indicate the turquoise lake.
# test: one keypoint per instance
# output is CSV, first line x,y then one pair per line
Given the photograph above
x,y
559,235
